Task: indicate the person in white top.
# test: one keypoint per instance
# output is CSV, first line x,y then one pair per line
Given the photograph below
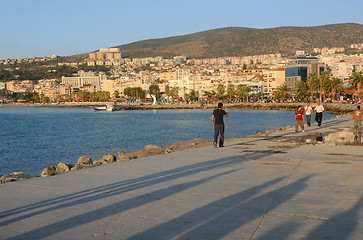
x,y
319,109
308,113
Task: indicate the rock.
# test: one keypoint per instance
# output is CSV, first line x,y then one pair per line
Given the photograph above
x,y
81,166
48,171
62,167
15,176
151,146
104,160
84,160
109,158
121,154
169,150
124,158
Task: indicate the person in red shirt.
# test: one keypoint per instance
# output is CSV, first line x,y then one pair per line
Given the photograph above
x,y
299,119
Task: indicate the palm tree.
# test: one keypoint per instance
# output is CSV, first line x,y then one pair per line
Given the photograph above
x,y
220,90
313,84
333,86
241,91
282,92
301,89
324,77
356,80
230,91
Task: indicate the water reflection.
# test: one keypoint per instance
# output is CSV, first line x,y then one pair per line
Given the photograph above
x,y
345,137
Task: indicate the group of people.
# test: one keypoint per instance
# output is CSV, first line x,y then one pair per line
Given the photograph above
x,y
309,112
319,111
219,113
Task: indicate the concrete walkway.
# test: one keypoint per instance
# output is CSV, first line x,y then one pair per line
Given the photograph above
x,y
282,186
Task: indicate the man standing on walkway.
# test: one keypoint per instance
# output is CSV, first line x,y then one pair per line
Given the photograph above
x,y
218,123
319,109
358,118
308,113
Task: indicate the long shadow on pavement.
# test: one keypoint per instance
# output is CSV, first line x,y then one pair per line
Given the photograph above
x,y
132,184
212,222
99,193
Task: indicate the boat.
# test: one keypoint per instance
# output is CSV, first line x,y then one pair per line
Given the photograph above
x,y
107,108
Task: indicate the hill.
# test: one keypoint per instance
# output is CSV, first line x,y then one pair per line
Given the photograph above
x,y
240,41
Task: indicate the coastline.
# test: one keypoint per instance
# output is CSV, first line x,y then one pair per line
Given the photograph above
x,y
338,108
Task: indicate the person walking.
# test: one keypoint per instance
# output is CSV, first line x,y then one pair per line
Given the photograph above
x,y
217,119
319,109
299,119
357,118
308,113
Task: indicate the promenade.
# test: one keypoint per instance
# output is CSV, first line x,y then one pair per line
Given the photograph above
x,y
283,185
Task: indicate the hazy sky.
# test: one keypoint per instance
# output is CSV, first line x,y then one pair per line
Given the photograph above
x,y
36,28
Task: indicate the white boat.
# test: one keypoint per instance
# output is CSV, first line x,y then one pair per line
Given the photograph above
x,y
107,108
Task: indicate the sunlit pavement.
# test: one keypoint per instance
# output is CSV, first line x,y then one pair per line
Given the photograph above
x,y
285,185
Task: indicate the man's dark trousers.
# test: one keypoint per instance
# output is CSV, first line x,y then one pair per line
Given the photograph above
x,y
219,129
319,118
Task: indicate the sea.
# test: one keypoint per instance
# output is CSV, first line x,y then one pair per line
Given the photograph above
x,y
33,137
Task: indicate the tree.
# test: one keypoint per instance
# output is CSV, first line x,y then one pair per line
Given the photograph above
x,y
192,95
240,92
334,86
313,84
83,95
134,93
324,77
301,89
116,94
282,92
356,80
128,92
220,90
231,91
154,90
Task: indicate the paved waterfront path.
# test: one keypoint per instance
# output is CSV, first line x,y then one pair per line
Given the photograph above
x,y
257,187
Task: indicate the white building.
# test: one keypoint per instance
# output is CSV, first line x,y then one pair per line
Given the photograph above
x,y
84,79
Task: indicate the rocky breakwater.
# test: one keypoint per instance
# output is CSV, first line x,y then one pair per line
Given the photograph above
x,y
147,151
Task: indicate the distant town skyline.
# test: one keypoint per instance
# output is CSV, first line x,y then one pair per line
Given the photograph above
x,y
40,28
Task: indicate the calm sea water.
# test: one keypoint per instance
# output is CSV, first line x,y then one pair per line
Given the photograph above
x,y
32,137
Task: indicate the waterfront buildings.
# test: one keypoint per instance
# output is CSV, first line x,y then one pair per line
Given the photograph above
x,y
84,79
300,68
263,74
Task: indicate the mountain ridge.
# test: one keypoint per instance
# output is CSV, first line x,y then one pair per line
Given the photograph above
x,y
244,41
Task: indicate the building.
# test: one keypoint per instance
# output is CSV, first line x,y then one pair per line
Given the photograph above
x,y
25,86
84,79
273,78
105,56
300,68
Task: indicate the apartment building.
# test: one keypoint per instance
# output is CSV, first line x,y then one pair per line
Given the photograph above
x,y
48,88
273,79
25,86
84,79
105,56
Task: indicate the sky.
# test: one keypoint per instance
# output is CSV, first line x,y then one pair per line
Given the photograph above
x,y
37,28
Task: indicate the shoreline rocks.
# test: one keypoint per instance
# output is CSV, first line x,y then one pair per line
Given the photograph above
x,y
15,176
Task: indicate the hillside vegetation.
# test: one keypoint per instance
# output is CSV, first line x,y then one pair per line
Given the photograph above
x,y
240,41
